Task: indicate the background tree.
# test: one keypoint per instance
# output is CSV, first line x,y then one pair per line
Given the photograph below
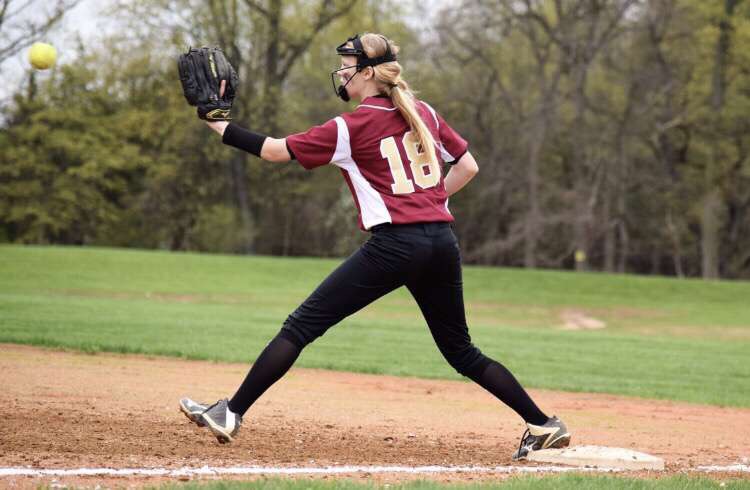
x,y
613,128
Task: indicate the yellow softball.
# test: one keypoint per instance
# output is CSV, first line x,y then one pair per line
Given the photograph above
x,y
42,55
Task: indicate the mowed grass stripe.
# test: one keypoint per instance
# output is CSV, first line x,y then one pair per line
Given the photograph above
x,y
553,482
227,308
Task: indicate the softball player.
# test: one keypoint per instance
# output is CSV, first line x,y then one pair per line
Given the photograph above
x,y
390,150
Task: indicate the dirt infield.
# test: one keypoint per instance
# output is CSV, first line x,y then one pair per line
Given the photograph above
x,y
70,410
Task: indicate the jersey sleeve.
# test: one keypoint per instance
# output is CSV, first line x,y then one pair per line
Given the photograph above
x,y
452,145
316,146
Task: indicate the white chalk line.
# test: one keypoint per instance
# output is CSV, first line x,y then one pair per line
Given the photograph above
x,y
259,470
329,470
739,468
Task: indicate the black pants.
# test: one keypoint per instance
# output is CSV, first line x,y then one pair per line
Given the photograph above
x,y
423,257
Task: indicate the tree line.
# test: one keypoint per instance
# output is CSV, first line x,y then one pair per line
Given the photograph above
x,y
611,135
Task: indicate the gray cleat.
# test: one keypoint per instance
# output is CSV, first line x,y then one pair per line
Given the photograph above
x,y
552,435
223,422
193,410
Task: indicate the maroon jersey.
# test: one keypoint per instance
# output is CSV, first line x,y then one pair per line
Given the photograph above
x,y
391,179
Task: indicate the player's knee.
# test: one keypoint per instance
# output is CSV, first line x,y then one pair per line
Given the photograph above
x,y
467,361
298,332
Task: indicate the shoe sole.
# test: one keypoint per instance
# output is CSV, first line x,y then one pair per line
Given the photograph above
x,y
193,417
560,442
217,431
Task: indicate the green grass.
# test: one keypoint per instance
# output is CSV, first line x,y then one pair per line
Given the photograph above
x,y
665,338
556,482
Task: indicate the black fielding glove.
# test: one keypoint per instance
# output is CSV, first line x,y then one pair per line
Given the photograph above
x,y
201,72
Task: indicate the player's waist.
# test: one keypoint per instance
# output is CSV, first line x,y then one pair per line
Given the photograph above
x,y
431,228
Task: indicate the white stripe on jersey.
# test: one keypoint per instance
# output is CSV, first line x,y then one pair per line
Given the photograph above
x,y
447,157
432,111
372,207
377,107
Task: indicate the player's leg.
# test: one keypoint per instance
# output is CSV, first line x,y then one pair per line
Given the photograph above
x,y
378,267
439,293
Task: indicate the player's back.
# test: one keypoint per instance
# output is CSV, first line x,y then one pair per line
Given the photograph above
x,y
390,176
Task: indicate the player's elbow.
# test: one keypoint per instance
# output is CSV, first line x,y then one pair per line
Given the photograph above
x,y
275,150
468,165
274,156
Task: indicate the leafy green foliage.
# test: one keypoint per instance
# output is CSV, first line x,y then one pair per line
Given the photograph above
x,y
612,130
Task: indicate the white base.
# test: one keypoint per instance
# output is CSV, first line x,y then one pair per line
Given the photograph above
x,y
599,457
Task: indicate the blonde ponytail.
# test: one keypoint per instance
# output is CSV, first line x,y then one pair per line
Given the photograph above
x,y
403,98
388,76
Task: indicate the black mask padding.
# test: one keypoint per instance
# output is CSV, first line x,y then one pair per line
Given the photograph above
x,y
341,89
343,94
356,49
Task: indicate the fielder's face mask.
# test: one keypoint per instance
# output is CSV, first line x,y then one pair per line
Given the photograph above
x,y
356,49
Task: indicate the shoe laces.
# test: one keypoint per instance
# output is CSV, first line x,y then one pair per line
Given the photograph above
x,y
212,406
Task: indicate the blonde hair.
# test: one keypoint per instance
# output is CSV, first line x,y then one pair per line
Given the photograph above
x,y
390,83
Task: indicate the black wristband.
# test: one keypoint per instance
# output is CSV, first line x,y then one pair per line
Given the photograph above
x,y
243,139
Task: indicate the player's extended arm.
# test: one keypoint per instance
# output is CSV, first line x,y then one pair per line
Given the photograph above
x,y
461,173
270,149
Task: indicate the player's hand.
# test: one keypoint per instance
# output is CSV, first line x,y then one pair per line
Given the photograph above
x,y
219,126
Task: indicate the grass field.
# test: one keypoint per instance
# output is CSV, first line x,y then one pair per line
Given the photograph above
x,y
561,482
665,338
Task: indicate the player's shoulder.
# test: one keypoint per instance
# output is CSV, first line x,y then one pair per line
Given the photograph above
x,y
429,111
374,107
371,114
